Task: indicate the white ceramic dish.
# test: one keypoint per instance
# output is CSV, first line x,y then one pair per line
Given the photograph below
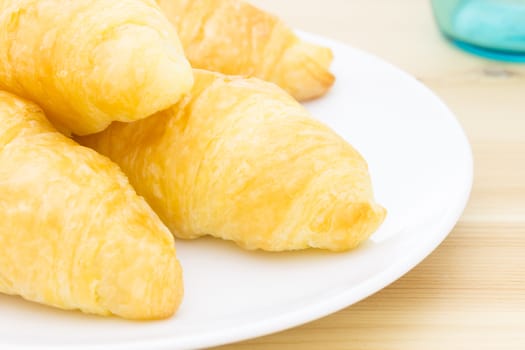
x,y
421,168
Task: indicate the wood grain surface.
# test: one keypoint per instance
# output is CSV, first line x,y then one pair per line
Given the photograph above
x,y
470,293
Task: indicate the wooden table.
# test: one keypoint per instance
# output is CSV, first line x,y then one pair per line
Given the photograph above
x,y
470,293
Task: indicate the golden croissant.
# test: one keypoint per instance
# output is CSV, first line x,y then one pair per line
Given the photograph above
x,y
90,62
241,160
73,232
234,37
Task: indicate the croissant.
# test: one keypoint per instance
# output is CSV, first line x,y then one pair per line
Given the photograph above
x,y
234,37
90,62
241,160
73,233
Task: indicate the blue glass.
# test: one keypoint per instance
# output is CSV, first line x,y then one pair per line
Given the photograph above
x,y
490,28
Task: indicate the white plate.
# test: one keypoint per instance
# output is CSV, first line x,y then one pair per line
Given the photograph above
x,y
421,168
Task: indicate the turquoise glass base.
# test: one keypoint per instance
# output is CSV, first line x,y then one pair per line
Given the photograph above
x,y
498,55
493,29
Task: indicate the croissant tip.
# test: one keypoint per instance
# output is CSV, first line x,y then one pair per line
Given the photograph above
x,y
307,72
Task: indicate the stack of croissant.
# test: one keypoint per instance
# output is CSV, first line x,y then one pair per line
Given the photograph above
x,y
125,123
